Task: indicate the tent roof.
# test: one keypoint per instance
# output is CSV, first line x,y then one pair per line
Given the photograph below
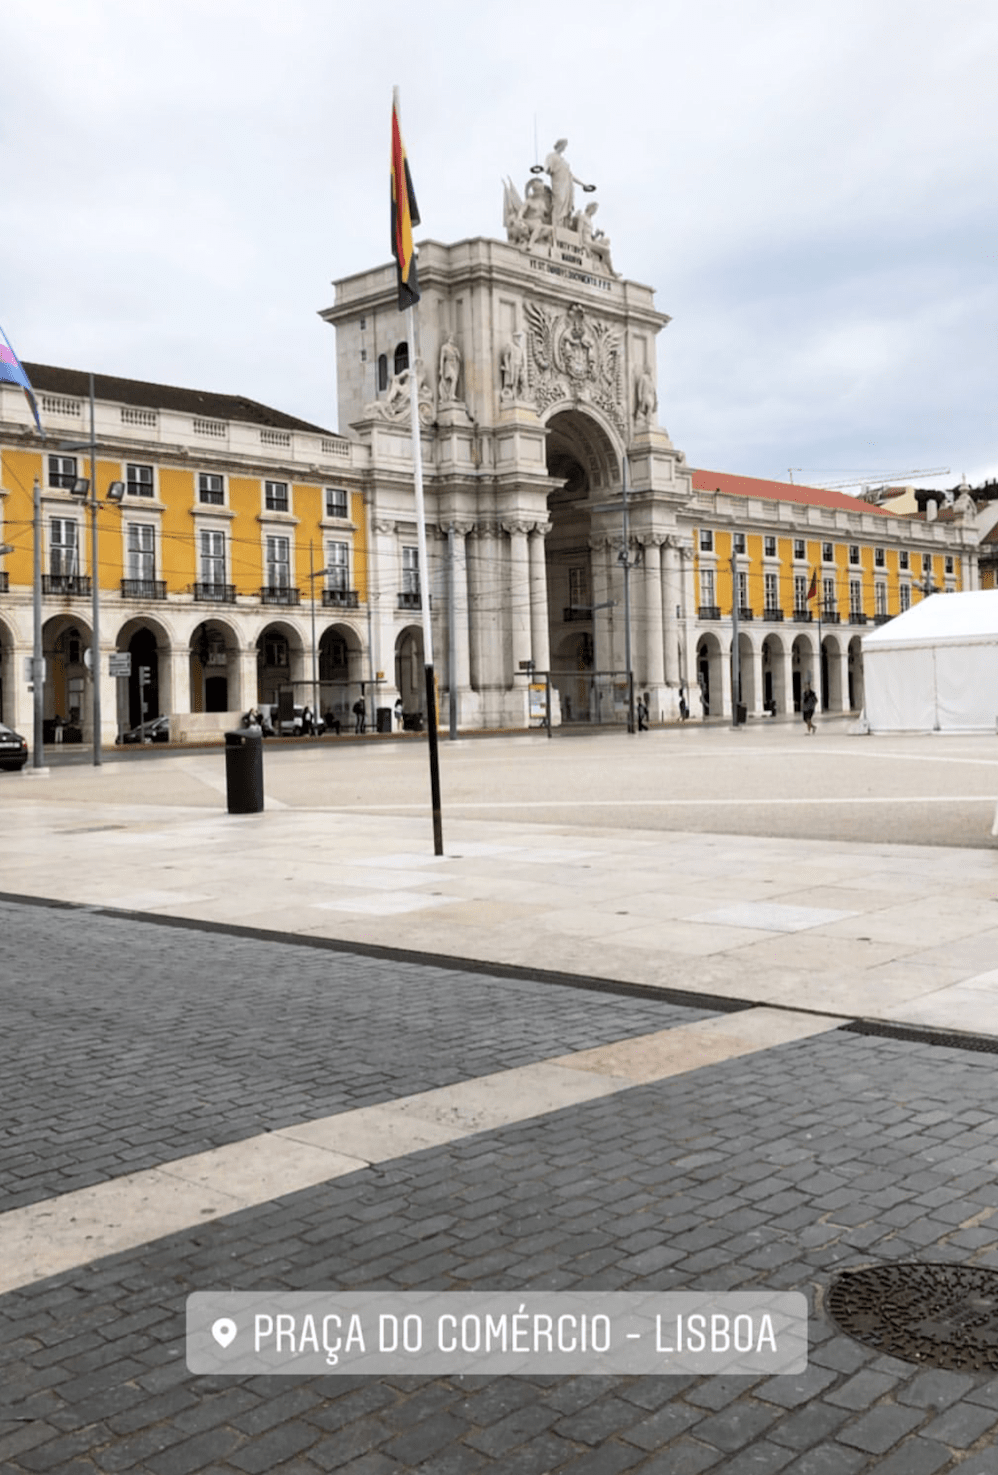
x,y
950,618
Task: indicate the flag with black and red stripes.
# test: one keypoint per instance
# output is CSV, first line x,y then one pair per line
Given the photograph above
x,y
405,214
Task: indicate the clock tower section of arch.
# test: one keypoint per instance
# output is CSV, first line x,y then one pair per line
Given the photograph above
x,y
536,376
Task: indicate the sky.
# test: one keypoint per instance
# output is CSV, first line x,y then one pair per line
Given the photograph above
x,y
809,188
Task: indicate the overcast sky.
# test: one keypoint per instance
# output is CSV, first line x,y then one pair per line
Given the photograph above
x,y
809,186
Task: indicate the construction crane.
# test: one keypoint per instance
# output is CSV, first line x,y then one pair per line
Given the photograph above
x,y
866,478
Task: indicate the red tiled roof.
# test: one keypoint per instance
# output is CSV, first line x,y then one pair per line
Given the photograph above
x,y
780,491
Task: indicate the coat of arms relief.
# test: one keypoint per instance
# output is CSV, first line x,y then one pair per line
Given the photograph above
x,y
567,356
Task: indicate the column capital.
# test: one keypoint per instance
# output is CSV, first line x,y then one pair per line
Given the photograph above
x,y
384,525
516,525
460,526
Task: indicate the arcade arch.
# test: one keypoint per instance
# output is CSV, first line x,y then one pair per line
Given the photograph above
x,y
213,658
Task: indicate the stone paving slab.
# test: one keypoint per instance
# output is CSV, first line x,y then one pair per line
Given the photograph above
x,y
777,1170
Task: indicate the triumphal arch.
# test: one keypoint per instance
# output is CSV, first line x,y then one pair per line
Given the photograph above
x,y
536,373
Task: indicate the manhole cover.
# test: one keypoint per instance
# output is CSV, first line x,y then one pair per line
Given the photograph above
x,y
933,1315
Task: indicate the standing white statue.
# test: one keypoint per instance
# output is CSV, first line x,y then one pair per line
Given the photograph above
x,y
450,369
562,179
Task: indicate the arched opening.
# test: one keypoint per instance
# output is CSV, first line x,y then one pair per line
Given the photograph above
x,y
143,683
802,672
410,671
68,693
340,674
6,675
709,675
774,676
213,677
382,372
584,627
401,357
857,696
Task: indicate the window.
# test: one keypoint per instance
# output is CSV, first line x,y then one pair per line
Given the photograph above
x,y
138,481
799,549
854,553
879,559
905,596
769,547
275,496
141,551
800,591
828,596
363,324
382,372
211,489
739,542
213,558
949,563
855,597
401,357
64,548
62,471
926,563
742,590
410,570
903,558
772,591
880,597
278,563
827,553
707,586
338,566
336,502
706,540
578,589
275,650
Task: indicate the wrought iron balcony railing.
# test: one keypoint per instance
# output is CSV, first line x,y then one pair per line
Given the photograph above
x,y
215,593
340,598
143,589
279,594
73,584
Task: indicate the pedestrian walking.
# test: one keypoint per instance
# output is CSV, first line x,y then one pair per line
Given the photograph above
x,y
808,706
684,710
359,712
307,722
399,714
643,714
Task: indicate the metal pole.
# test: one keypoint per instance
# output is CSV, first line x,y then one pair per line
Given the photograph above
x,y
95,574
315,675
424,593
547,702
451,635
37,678
736,667
626,559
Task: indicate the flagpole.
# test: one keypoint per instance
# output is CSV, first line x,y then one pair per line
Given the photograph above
x,y
424,590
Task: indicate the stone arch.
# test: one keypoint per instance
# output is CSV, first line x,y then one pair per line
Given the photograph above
x,y
66,638
150,645
410,669
341,671
282,662
401,358
8,675
709,674
774,666
856,694
748,662
213,658
802,667
832,674
573,676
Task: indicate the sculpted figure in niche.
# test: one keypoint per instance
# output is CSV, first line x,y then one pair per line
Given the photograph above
x,y
645,398
396,401
450,369
513,369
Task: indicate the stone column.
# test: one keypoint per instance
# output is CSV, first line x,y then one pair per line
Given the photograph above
x,y
244,694
654,655
485,615
460,658
672,594
539,618
519,594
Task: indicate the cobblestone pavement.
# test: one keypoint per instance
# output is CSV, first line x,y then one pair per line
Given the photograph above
x,y
773,1170
161,1042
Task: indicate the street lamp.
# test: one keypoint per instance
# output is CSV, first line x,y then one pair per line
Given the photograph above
x,y
313,574
115,492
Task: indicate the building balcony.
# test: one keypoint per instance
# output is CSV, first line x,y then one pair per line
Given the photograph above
x,y
772,614
856,617
882,619
143,589
340,598
410,599
279,594
72,584
4,583
708,612
832,617
745,612
215,593
802,617
572,612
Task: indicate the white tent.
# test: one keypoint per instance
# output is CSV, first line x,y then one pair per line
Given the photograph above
x,y
935,667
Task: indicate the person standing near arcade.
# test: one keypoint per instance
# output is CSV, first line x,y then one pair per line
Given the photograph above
x,y
808,707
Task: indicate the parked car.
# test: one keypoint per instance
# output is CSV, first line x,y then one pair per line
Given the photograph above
x,y
156,730
13,748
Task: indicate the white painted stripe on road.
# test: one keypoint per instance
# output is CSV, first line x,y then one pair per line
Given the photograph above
x,y
77,1228
648,803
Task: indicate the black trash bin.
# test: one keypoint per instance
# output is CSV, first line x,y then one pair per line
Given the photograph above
x,y
384,719
244,770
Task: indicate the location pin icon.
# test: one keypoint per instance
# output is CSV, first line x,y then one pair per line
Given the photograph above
x,y
224,1331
